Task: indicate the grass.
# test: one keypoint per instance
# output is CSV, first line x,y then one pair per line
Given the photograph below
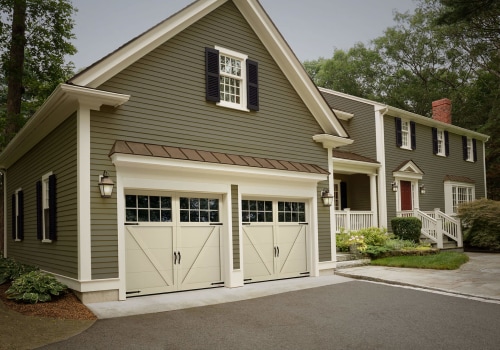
x,y
441,261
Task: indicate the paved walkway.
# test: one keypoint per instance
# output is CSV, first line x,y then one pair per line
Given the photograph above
x,y
480,277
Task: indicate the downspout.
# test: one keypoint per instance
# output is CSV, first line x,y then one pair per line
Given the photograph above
x,y
333,223
4,188
380,149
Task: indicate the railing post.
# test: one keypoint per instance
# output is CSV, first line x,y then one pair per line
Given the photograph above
x,y
348,219
439,232
460,240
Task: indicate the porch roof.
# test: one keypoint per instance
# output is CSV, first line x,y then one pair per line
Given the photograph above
x,y
352,156
162,151
456,178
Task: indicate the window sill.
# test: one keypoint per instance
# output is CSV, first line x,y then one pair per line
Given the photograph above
x,y
441,155
406,148
18,240
232,106
46,241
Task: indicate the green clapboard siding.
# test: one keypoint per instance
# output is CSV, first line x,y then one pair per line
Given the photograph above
x,y
56,153
435,167
168,107
236,226
324,230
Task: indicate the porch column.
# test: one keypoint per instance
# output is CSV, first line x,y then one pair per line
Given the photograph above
x,y
373,198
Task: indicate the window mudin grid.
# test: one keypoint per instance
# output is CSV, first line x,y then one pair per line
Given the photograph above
x,y
461,194
230,79
257,211
405,133
199,209
291,212
440,142
148,208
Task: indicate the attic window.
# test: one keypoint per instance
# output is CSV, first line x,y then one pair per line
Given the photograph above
x,y
231,79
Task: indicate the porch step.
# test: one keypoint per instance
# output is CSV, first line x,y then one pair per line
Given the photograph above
x,y
345,260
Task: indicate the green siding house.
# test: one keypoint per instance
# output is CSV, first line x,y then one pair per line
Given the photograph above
x,y
219,147
404,164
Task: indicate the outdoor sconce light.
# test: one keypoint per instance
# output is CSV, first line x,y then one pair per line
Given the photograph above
x,y
394,186
106,185
422,189
327,198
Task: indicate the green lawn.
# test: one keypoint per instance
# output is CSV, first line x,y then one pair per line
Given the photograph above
x,y
441,261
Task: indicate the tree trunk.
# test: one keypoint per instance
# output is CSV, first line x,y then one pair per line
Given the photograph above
x,y
15,70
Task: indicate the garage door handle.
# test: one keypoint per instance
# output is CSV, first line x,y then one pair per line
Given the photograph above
x,y
275,252
179,257
278,249
175,258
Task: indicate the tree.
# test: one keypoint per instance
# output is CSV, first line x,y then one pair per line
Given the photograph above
x,y
34,41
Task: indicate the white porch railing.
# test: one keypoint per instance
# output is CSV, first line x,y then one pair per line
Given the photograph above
x,y
348,220
435,224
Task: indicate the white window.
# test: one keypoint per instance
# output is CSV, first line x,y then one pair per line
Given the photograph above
x,y
470,150
457,193
232,69
405,134
441,151
336,195
45,208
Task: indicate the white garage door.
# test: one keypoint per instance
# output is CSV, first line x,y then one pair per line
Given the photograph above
x,y
173,242
275,239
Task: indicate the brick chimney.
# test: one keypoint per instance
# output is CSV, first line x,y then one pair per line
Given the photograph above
x,y
441,110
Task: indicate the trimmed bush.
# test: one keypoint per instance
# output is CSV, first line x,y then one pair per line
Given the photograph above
x,y
481,220
34,287
374,236
407,228
11,269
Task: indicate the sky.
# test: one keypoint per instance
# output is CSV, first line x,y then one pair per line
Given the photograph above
x,y
312,28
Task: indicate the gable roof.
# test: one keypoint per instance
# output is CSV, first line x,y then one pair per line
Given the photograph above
x,y
259,21
397,112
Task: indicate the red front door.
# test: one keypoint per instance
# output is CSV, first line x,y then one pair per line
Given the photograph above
x,y
406,201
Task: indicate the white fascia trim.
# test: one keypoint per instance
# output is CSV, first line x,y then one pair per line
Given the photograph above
x,y
354,98
330,141
396,112
410,166
60,105
484,172
290,65
380,149
145,43
343,115
355,166
400,175
214,168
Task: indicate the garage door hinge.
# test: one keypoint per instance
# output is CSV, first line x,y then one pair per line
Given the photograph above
x,y
134,292
303,223
305,273
245,223
217,283
131,223
216,223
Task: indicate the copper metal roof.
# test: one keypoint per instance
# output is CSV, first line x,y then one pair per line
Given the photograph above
x,y
458,179
151,150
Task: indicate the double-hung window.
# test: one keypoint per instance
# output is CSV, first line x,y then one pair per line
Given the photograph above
x,y
469,149
440,142
457,193
405,134
18,215
46,208
231,79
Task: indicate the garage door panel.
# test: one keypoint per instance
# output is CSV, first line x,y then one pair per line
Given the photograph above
x,y
258,250
293,250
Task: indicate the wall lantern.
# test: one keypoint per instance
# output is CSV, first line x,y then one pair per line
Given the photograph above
x,y
106,185
327,198
394,186
422,189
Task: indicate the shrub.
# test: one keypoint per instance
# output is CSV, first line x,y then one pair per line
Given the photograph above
x,y
374,236
481,219
11,269
407,228
34,287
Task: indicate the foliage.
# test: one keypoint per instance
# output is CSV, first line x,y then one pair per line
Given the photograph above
x,y
34,287
374,236
374,251
342,241
407,228
47,42
358,242
481,219
441,261
11,269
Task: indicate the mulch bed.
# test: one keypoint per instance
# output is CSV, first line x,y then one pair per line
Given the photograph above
x,y
66,306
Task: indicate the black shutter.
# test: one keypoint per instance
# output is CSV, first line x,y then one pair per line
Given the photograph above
x,y
413,136
52,208
212,74
14,221
20,215
464,147
252,85
399,138
39,211
446,143
434,141
343,195
474,149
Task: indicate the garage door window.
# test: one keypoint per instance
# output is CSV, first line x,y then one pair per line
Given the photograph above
x,y
291,211
256,211
148,208
199,209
